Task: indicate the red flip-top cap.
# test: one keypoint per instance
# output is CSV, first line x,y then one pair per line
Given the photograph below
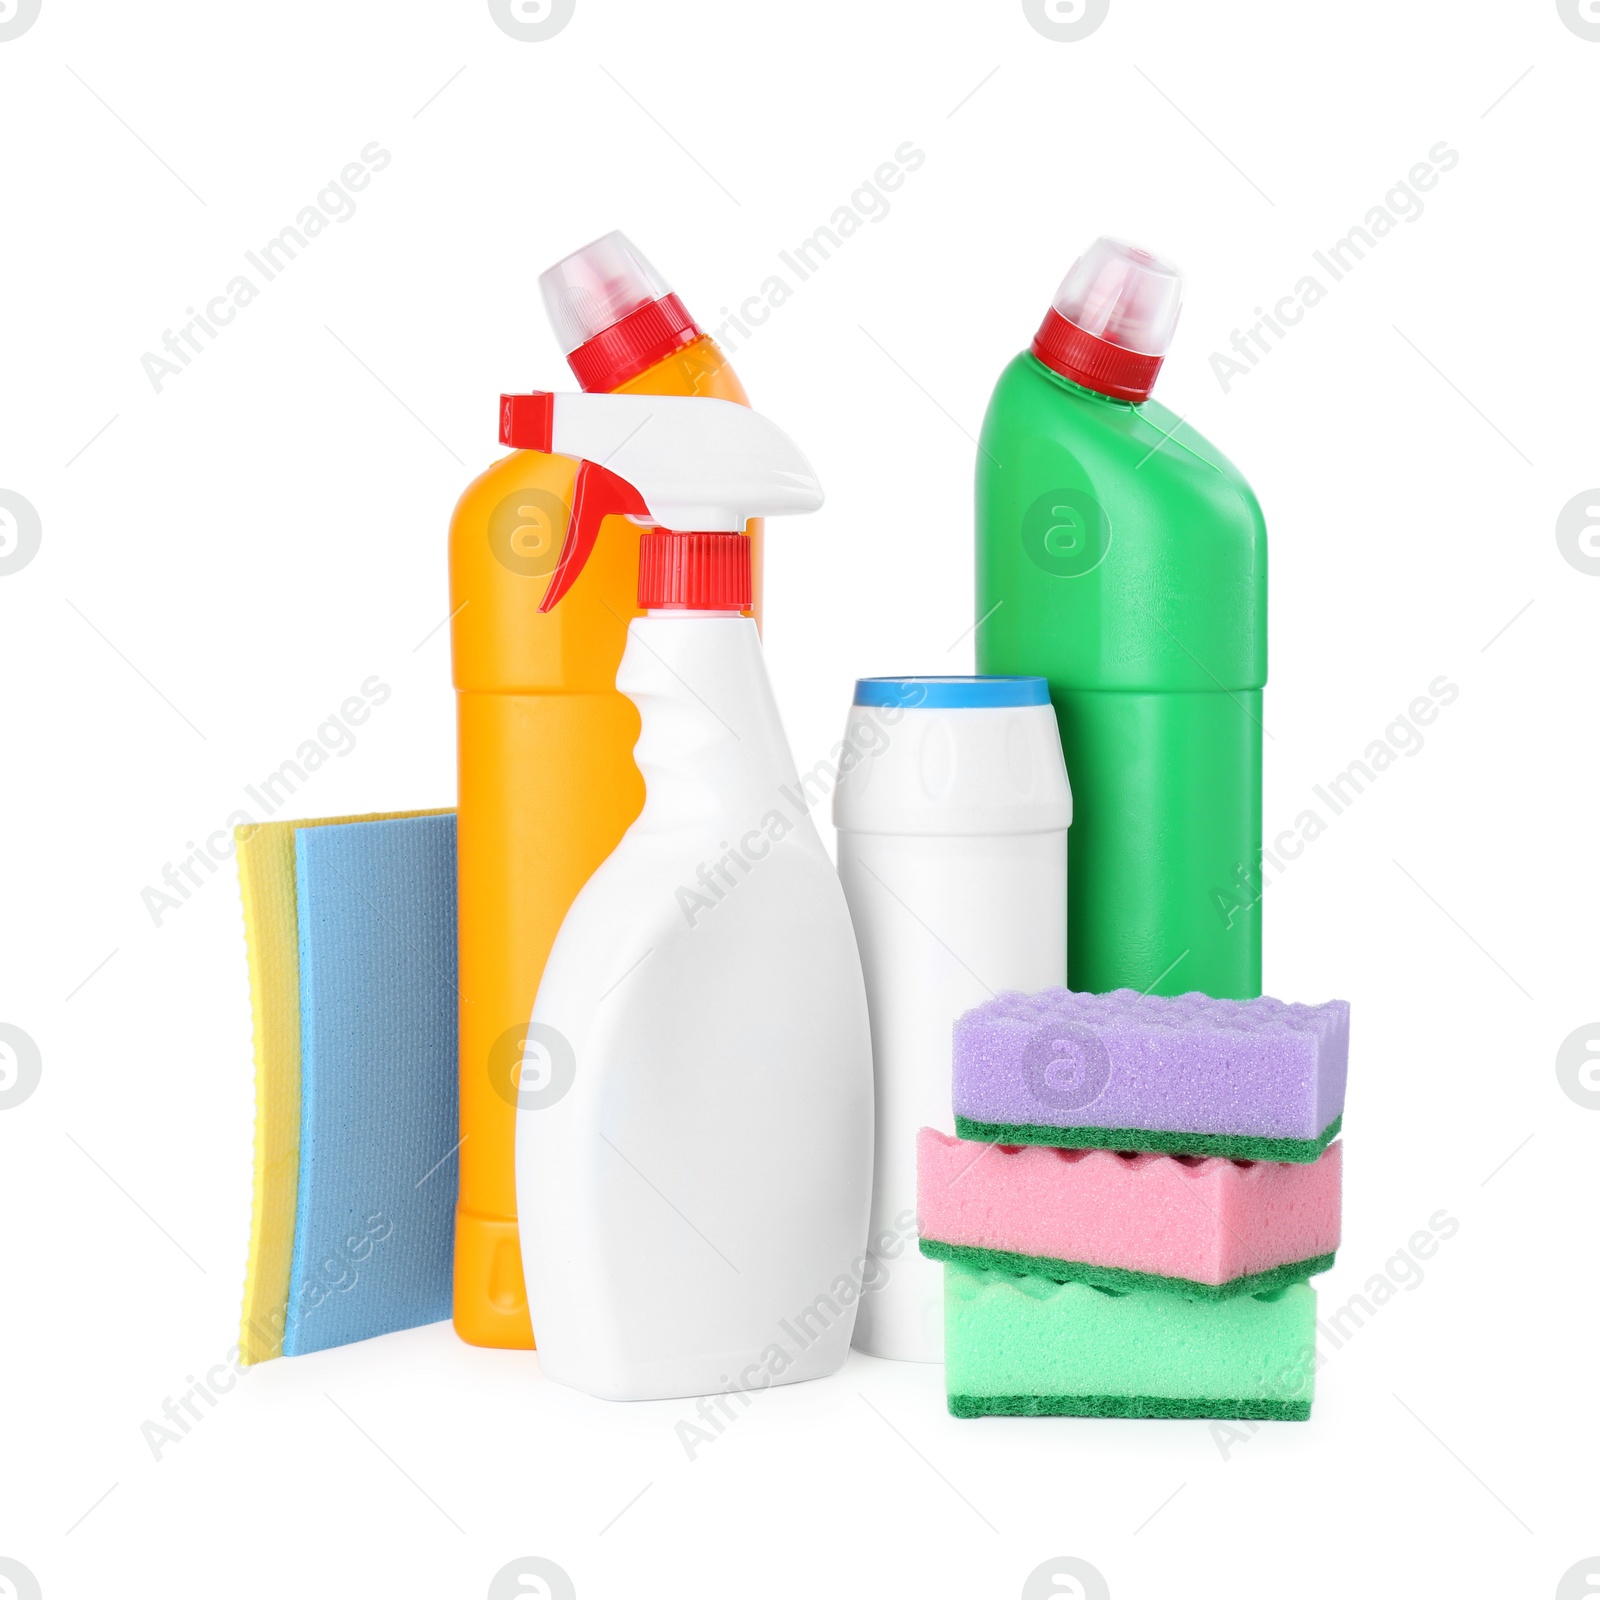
x,y
1112,319
641,339
1106,368
614,314
694,571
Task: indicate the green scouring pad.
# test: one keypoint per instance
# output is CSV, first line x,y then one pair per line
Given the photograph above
x,y
1012,1264
1234,1146
1029,1347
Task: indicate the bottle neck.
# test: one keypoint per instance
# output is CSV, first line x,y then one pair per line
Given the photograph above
x,y
1080,391
709,733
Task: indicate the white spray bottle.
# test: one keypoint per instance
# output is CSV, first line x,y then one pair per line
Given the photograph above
x,y
694,1136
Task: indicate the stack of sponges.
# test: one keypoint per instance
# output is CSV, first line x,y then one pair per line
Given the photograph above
x,y
350,928
1140,1189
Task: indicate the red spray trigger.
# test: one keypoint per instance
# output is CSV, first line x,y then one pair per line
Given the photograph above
x,y
596,495
526,422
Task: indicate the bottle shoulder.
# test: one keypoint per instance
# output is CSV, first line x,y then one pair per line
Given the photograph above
x,y
684,907
700,368
1116,547
505,540
704,701
723,807
1039,420
517,470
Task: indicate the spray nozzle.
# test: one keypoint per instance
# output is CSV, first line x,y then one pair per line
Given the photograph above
x,y
680,465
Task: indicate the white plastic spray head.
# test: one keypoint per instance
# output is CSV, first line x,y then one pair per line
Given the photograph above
x,y
681,464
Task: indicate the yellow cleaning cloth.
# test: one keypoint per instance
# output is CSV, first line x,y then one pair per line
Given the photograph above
x,y
272,942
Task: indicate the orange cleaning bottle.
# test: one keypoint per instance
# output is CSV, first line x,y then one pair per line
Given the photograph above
x,y
546,780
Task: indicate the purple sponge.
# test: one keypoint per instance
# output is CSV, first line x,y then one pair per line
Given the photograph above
x,y
1251,1079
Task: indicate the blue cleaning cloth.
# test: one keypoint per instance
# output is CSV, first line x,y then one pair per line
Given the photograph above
x,y
375,1217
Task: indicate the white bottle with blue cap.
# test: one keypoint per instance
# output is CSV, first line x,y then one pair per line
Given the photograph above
x,y
953,855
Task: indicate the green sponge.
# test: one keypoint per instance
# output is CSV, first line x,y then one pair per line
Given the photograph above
x,y
1013,1264
1232,1146
1028,1347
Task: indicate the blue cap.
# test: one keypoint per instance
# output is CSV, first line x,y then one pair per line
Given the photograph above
x,y
943,693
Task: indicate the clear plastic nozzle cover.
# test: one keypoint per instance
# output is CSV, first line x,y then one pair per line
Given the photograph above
x,y
1124,295
596,287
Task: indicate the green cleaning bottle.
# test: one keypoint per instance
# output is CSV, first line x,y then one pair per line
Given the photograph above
x,y
1124,558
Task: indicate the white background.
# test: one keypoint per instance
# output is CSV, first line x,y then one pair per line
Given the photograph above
x,y
223,562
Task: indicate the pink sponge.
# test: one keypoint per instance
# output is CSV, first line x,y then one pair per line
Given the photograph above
x,y
1206,1227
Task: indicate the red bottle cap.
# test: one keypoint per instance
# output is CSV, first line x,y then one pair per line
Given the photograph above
x,y
614,314
694,571
1111,322
641,339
